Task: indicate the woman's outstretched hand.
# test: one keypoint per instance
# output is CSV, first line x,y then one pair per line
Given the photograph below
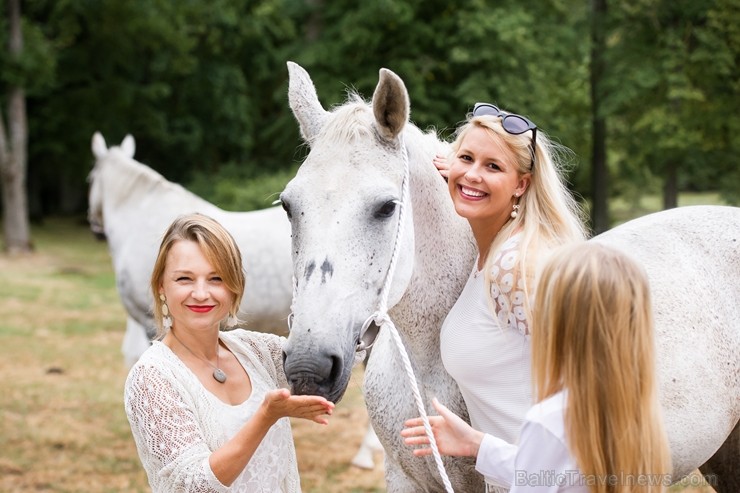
x,y
453,435
280,403
442,165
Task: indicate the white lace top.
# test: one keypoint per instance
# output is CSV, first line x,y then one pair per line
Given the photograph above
x,y
177,423
489,354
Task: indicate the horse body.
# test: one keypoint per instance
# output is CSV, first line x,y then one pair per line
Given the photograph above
x,y
692,258
133,205
343,238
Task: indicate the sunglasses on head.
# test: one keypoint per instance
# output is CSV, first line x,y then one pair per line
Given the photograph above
x,y
512,123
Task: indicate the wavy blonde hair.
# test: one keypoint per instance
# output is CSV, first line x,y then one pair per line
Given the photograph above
x,y
549,216
217,245
593,336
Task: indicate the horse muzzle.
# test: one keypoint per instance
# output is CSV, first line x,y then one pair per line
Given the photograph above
x,y
316,373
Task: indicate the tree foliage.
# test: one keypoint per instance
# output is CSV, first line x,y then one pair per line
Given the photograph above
x,y
203,85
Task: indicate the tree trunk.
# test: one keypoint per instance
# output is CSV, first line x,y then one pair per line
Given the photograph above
x,y
16,228
670,186
599,171
314,23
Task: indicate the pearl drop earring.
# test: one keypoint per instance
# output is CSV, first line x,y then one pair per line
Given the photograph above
x,y
515,208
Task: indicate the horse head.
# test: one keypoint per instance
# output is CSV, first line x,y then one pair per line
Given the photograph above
x,y
96,194
375,238
344,206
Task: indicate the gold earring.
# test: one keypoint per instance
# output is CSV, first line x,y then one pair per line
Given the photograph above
x,y
166,319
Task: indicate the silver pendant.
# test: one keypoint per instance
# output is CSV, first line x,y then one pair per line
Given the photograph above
x,y
219,375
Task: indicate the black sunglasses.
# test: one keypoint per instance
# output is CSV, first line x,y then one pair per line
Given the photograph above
x,y
512,123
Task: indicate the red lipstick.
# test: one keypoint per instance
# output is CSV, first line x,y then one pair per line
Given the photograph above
x,y
201,308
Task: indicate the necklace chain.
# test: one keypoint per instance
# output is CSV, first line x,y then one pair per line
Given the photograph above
x,y
218,373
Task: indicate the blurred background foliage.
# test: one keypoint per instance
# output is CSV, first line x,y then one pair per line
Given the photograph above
x,y
202,86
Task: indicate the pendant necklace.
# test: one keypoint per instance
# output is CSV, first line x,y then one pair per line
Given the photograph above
x,y
218,373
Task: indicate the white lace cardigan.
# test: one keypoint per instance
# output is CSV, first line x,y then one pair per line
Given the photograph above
x,y
177,423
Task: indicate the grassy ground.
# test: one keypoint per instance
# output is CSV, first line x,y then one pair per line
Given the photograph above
x,y
62,425
622,210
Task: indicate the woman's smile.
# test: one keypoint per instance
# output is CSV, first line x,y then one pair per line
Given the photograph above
x,y
471,193
201,308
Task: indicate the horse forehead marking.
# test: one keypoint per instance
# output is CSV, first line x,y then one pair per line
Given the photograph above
x,y
326,269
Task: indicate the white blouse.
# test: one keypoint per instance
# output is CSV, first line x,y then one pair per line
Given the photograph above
x,y
177,423
542,462
489,354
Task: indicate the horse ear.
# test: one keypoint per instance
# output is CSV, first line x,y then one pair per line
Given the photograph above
x,y
99,148
304,102
390,104
128,146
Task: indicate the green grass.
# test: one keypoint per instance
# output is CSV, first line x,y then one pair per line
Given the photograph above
x,y
62,423
61,411
622,210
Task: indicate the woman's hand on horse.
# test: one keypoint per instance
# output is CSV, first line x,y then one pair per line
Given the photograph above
x,y
280,403
442,165
453,435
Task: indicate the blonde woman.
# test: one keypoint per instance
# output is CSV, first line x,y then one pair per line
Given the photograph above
x,y
505,178
597,426
208,408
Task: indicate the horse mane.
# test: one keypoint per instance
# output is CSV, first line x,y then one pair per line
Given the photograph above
x,y
135,180
352,120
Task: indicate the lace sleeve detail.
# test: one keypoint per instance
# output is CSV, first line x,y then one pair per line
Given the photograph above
x,y
268,348
170,442
508,288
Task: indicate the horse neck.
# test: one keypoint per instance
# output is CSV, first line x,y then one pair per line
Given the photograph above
x,y
444,253
133,189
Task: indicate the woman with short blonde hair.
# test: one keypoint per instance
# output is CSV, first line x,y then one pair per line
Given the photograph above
x,y
208,408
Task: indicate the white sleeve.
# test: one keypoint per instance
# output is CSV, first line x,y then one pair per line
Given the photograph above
x,y
268,348
496,459
543,463
167,433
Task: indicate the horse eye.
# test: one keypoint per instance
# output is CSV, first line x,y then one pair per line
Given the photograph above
x,y
386,210
286,208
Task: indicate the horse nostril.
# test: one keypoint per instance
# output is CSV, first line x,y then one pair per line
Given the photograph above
x,y
336,369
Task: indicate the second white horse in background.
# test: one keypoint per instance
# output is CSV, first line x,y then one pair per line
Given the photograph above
x,y
132,205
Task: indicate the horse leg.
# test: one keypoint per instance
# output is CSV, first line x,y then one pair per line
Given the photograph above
x,y
722,470
135,342
370,444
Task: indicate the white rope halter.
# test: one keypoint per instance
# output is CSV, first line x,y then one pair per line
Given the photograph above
x,y
381,319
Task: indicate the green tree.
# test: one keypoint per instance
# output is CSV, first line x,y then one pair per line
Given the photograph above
x,y
196,83
24,68
674,91
527,58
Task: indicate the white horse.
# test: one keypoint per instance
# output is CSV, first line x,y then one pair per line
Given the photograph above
x,y
342,205
132,205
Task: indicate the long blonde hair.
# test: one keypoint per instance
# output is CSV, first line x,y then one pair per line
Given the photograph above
x,y
593,337
217,245
549,215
